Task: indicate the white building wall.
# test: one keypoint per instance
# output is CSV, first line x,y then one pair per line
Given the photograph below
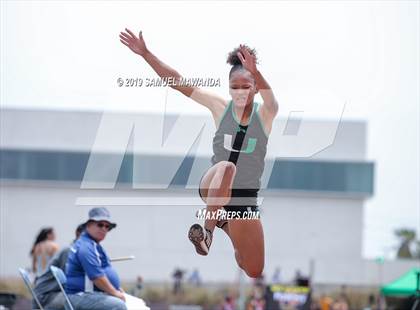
x,y
299,227
76,131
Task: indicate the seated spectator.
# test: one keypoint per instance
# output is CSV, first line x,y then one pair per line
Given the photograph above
x,y
43,250
92,283
46,287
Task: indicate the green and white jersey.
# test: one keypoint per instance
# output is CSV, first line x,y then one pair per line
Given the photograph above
x,y
243,145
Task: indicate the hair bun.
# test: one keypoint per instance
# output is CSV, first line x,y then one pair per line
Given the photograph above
x,y
233,58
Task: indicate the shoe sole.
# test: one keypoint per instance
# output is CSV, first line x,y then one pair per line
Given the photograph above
x,y
196,236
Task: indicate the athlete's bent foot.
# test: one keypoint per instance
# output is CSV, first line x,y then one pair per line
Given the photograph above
x,y
220,223
201,238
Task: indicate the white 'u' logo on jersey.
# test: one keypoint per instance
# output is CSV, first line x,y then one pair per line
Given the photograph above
x,y
227,144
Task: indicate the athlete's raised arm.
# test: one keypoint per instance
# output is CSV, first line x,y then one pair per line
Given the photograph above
x,y
270,105
137,44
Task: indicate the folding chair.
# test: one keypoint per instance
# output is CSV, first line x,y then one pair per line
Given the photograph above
x,y
61,279
25,276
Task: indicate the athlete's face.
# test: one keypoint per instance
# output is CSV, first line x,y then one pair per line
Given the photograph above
x,y
242,88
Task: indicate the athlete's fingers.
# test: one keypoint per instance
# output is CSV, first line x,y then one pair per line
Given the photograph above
x,y
245,52
246,57
241,57
130,33
126,44
125,40
125,35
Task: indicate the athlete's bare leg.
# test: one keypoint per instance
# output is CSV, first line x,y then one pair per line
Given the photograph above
x,y
247,236
248,240
215,188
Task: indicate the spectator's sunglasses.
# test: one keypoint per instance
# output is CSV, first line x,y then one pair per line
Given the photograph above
x,y
108,227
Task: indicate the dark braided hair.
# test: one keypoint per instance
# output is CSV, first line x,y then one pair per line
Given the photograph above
x,y
234,60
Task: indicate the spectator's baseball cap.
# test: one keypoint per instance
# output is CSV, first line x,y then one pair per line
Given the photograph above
x,y
100,214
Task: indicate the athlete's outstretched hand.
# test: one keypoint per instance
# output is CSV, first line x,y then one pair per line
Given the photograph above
x,y
137,45
248,60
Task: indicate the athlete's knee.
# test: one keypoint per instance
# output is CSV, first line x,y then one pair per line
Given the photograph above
x,y
254,271
227,167
239,259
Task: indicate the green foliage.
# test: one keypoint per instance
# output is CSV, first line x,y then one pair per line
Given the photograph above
x,y
407,237
406,234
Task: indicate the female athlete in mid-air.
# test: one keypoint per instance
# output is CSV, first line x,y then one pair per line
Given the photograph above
x,y
239,146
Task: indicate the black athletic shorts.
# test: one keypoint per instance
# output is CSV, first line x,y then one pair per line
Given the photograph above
x,y
249,196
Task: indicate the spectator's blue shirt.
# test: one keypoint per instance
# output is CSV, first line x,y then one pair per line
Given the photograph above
x,y
87,261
